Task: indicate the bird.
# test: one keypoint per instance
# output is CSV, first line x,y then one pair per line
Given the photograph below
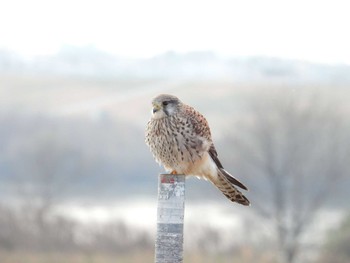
x,y
179,138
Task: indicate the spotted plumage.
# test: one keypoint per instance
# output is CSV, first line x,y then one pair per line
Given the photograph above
x,y
179,139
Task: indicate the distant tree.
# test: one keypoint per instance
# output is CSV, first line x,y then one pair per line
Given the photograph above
x,y
295,150
47,168
209,240
117,237
337,246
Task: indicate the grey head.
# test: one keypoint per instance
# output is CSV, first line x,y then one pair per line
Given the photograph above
x,y
165,105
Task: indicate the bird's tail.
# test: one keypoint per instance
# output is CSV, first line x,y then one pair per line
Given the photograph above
x,y
225,183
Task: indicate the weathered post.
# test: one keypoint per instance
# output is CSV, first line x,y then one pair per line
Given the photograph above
x,y
170,219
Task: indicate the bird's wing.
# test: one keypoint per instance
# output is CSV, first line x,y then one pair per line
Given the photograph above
x,y
199,123
201,129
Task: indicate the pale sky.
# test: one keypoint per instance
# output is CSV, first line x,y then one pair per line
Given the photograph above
x,y
312,30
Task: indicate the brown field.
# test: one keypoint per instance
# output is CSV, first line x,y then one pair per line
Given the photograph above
x,y
243,256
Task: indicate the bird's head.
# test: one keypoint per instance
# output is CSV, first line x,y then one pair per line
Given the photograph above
x,y
165,105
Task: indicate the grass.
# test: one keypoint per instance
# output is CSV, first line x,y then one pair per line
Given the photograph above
x,y
29,257
136,257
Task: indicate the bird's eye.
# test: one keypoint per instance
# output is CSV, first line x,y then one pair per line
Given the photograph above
x,y
165,103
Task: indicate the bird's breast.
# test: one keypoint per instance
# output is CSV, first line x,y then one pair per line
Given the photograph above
x,y
174,144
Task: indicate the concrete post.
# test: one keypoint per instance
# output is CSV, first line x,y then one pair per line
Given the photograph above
x,y
170,219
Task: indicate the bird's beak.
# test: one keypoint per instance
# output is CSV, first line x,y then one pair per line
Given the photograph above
x,y
156,107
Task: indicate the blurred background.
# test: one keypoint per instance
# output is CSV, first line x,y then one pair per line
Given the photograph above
x,y
77,182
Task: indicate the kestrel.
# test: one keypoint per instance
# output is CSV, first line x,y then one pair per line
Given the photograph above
x,y
179,139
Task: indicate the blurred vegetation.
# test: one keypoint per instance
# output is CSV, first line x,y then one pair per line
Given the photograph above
x,y
337,244
86,143
298,147
30,230
138,257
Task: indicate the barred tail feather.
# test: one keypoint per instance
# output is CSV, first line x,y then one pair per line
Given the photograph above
x,y
224,183
232,179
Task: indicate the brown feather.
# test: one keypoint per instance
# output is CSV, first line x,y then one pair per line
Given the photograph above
x,y
231,192
213,154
